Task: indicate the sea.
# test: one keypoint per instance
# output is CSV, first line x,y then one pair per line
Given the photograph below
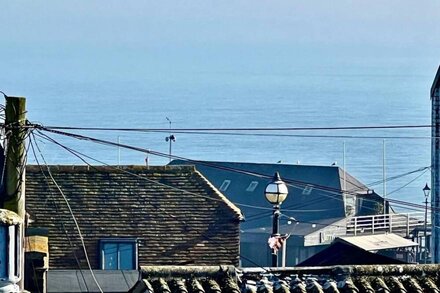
x,y
104,93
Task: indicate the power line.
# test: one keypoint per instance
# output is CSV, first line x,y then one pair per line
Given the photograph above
x,y
76,224
79,155
240,128
210,164
388,179
57,208
290,182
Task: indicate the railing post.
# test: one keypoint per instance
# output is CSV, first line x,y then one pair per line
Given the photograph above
x,y
390,222
372,225
355,226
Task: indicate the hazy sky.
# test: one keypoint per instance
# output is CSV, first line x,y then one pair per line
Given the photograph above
x,y
220,30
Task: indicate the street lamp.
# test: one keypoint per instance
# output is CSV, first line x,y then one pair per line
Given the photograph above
x,y
426,191
276,192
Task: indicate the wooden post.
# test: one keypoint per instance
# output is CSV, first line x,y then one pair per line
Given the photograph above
x,y
14,197
15,155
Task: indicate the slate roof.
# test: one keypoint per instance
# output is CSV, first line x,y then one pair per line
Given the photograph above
x,y
304,202
331,279
188,223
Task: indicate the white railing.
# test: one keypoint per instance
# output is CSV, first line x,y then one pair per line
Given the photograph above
x,y
401,224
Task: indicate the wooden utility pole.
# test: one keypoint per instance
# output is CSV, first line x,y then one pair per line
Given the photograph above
x,y
15,155
15,165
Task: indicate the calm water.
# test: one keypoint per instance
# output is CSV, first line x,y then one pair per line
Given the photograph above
x,y
339,93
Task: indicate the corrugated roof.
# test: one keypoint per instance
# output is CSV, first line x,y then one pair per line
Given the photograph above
x,y
378,241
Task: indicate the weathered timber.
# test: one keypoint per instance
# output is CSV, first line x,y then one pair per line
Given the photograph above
x,y
14,199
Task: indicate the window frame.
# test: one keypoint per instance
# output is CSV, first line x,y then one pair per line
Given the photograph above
x,y
252,186
118,241
224,186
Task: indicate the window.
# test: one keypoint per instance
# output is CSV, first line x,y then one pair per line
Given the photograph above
x,y
118,254
307,189
225,185
252,186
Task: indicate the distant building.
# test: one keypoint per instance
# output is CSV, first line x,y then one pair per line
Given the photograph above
x,y
315,211
131,216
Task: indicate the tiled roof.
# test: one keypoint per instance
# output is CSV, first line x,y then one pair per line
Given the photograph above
x,y
344,279
347,279
194,279
195,226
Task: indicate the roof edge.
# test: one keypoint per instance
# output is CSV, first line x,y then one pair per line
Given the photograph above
x,y
167,271
178,162
355,270
229,203
436,82
351,180
111,168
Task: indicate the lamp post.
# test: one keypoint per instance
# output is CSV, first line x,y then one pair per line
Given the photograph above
x,y
276,192
426,191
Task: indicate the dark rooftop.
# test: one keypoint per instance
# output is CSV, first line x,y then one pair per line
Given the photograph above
x,y
173,213
306,202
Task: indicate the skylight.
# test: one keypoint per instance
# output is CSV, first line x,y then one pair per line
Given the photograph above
x,y
225,185
252,186
307,189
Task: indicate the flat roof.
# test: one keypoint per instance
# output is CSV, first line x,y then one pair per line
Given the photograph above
x,y
378,241
81,280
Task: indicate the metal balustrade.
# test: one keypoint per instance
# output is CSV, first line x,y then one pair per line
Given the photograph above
x,y
401,224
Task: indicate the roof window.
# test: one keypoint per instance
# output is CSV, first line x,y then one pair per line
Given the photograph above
x,y
225,185
252,186
307,189
118,254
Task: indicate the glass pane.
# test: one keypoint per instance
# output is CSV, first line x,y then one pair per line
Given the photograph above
x,y
126,251
110,254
